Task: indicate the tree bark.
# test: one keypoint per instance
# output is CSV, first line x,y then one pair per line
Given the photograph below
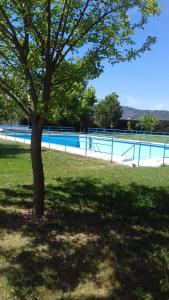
x,y
37,167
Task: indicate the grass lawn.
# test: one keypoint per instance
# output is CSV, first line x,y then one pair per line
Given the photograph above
x,y
139,137
105,235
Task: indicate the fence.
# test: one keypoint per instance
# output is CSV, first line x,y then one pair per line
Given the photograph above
x,y
120,131
26,128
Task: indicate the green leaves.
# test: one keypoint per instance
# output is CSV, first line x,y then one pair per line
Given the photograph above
x,y
8,109
148,122
108,111
42,41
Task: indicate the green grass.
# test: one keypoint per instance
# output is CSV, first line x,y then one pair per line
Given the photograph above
x,y
105,234
139,137
145,137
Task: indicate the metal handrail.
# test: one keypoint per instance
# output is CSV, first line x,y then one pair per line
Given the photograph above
x,y
128,150
98,150
125,131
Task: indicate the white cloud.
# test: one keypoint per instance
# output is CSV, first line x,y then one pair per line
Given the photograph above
x,y
160,106
129,101
139,103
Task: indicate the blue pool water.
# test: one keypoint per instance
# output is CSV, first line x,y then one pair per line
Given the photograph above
x,y
130,149
125,148
66,140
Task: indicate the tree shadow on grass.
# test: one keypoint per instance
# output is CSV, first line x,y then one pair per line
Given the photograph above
x,y
20,197
111,236
12,150
130,203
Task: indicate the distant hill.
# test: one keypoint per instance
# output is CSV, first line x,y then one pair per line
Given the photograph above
x,y
134,114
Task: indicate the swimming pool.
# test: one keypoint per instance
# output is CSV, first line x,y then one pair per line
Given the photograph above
x,y
127,149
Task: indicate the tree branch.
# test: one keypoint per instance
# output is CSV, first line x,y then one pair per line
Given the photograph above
x,y
74,28
5,32
16,98
23,52
12,28
48,11
59,27
106,13
79,20
9,63
26,11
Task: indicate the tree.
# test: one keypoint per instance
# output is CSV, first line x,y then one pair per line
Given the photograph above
x,y
149,122
86,106
68,98
77,106
108,111
40,41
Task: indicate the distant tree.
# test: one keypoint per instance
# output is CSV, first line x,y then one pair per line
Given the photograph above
x,y
108,111
74,105
148,122
86,106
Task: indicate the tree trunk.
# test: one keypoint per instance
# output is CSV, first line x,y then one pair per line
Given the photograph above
x,y
37,167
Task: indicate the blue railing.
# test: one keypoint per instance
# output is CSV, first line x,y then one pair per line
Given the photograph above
x,y
59,128
121,131
21,128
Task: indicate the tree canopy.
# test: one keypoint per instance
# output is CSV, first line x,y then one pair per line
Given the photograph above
x,y
77,107
73,103
38,37
108,111
148,122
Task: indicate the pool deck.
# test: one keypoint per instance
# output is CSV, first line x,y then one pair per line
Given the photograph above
x,y
98,155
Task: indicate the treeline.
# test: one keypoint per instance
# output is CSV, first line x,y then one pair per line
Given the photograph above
x,y
86,111
80,108
163,125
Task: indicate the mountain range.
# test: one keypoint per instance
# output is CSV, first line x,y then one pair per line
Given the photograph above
x,y
135,114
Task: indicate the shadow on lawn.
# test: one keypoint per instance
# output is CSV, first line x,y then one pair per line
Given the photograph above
x,y
12,150
112,236
18,198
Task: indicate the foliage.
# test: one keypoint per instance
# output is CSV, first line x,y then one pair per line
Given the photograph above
x,y
148,122
86,106
41,41
108,111
8,109
74,105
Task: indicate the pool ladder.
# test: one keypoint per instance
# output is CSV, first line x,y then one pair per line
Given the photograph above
x,y
132,147
96,148
164,153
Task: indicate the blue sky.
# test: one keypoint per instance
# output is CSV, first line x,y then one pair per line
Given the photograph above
x,y
144,82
